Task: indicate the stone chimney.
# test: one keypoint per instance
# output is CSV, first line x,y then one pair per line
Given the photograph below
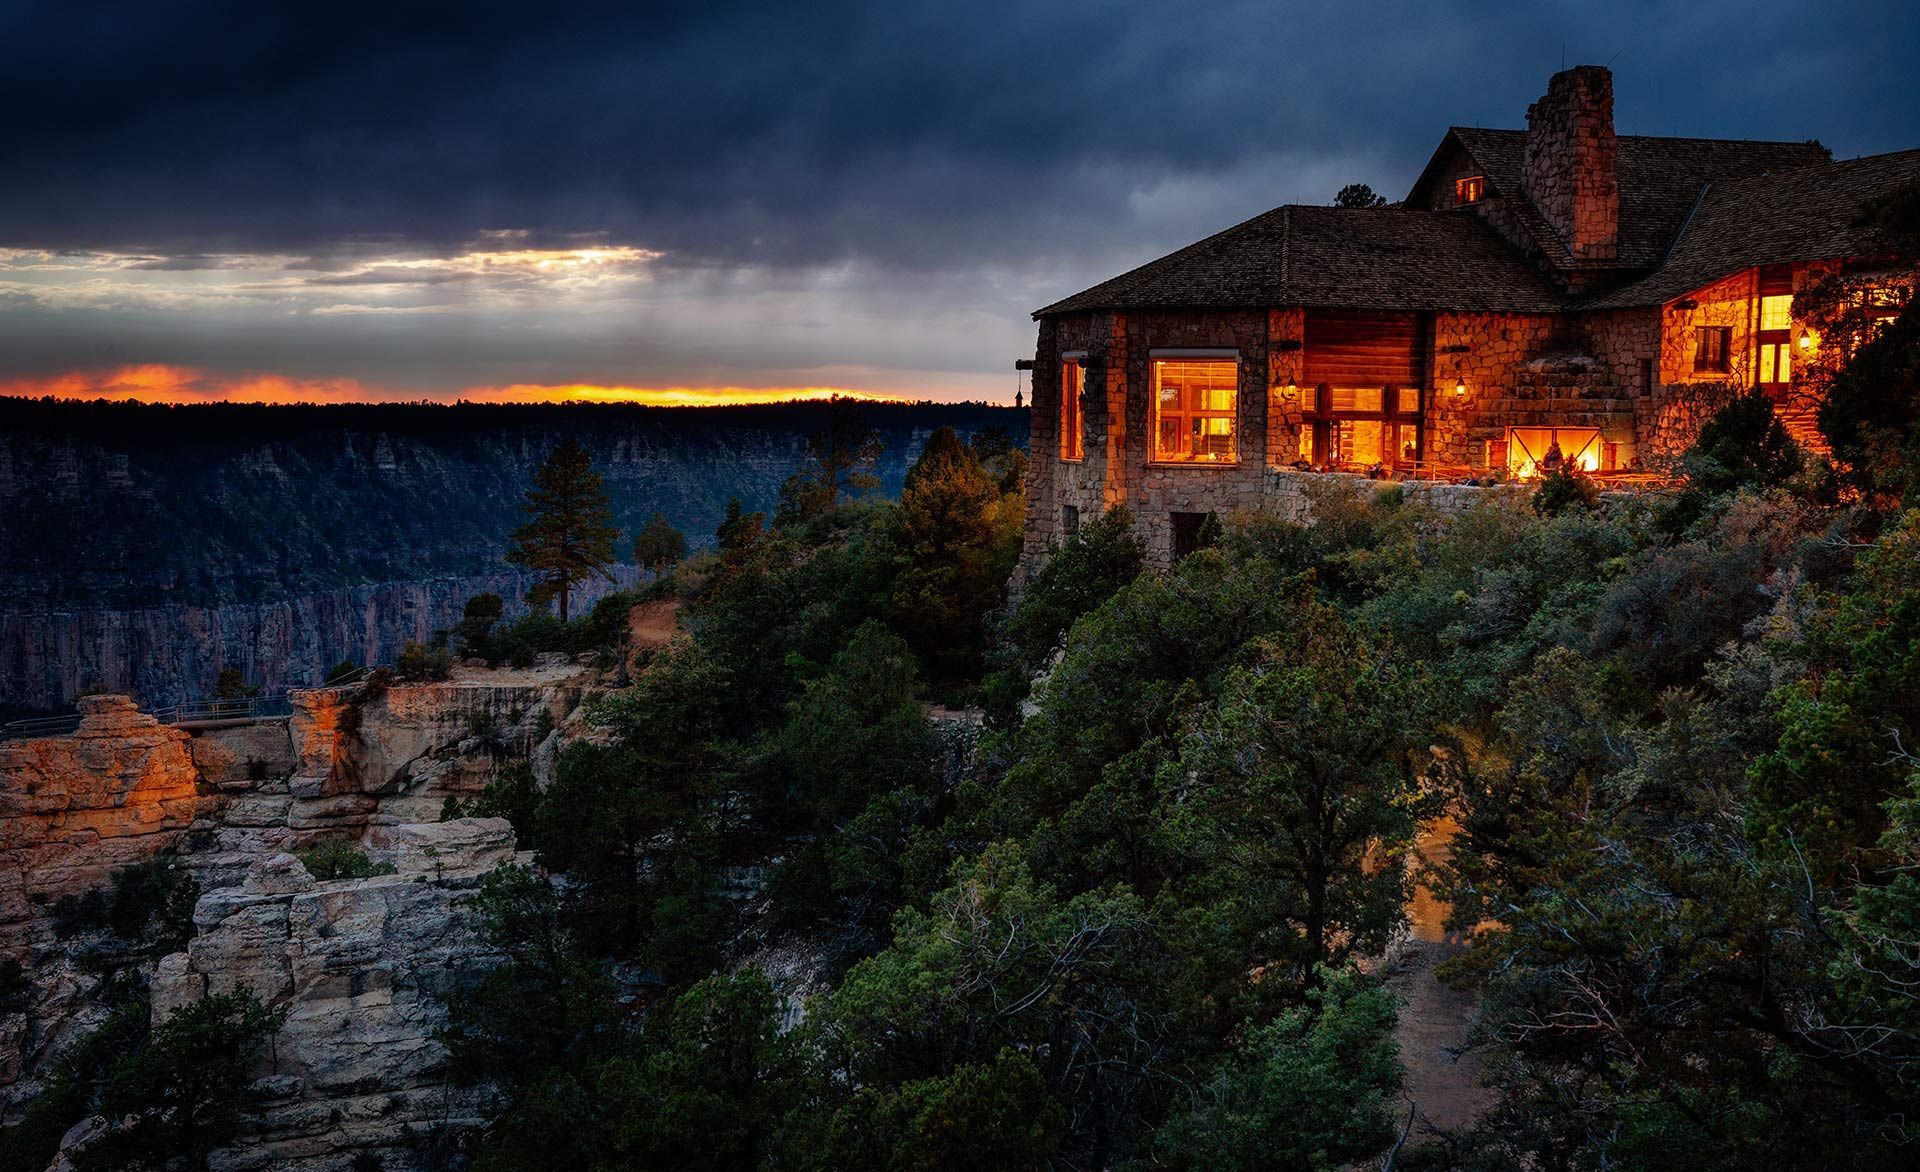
x,y
1570,172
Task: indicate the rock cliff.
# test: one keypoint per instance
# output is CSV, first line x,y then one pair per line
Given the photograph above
x,y
362,968
370,766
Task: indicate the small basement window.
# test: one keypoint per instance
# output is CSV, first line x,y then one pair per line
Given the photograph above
x,y
1469,189
1712,348
1070,519
1195,402
1189,532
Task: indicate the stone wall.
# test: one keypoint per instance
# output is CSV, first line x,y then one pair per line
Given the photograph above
x,y
1495,345
1570,171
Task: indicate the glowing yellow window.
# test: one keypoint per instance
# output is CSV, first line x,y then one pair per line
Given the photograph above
x,y
1535,451
1072,379
1469,189
1776,311
1194,407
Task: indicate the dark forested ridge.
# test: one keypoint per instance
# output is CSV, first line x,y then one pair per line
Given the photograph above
x,y
129,505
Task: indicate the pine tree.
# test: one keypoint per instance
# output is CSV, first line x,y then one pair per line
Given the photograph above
x,y
569,538
659,547
839,462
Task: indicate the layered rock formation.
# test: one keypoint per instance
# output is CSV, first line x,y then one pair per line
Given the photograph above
x,y
362,969
120,789
218,801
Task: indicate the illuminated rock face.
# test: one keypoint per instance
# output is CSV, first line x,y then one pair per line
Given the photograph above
x,y
121,789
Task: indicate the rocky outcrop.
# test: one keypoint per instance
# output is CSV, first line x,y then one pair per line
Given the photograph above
x,y
120,789
218,801
362,969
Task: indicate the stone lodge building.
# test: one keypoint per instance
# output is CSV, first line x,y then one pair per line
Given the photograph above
x,y
1558,287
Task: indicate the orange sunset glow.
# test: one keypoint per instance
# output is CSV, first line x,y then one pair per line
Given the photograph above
x,y
157,383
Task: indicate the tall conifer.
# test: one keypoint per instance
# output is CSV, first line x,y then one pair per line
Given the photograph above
x,y
569,536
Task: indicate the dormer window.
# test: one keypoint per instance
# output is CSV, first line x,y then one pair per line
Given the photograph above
x,y
1469,189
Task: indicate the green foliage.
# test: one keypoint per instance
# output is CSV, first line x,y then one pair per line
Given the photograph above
x,y
569,534
74,1080
1100,558
1305,771
1358,195
340,858
340,672
839,463
1868,411
1564,489
957,537
1744,445
232,685
511,794
1312,1091
148,903
418,662
986,1115
704,1082
476,624
180,1097
659,547
609,804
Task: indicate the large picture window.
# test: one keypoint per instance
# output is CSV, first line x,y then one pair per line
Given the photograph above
x,y
1195,401
1073,380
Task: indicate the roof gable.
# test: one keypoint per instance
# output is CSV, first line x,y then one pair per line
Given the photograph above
x,y
1390,258
1802,215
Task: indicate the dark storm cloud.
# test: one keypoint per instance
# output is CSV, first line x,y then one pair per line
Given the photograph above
x,y
867,190
918,133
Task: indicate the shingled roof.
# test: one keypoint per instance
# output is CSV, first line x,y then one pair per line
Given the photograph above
x,y
1659,180
1391,258
1802,215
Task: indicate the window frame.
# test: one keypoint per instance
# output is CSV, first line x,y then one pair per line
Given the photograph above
x,y
1724,364
1323,418
1073,425
1155,455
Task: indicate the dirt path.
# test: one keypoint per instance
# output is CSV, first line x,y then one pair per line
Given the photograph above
x,y
1442,1083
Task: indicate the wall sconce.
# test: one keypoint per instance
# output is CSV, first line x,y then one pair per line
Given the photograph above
x,y
1806,339
1460,388
1288,392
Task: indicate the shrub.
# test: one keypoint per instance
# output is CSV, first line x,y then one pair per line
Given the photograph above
x,y
338,858
1564,489
424,662
1742,445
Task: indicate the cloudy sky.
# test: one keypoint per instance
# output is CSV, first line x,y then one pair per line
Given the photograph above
x,y
302,200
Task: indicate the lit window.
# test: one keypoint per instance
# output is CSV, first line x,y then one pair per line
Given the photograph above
x,y
1470,189
1361,427
1072,381
1535,451
1776,364
1776,311
1711,347
1194,405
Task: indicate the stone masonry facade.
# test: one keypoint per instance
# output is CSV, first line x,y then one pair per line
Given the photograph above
x,y
1618,335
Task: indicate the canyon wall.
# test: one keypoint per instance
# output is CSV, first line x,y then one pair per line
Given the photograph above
x,y
143,548
171,654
